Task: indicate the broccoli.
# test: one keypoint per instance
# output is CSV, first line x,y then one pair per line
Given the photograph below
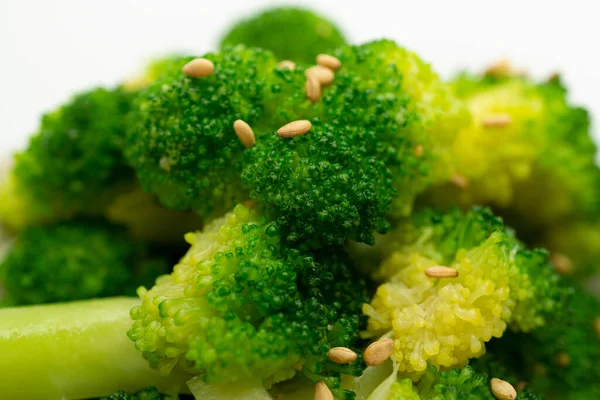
x,y
444,322
74,165
150,393
180,138
240,307
378,110
73,350
151,73
291,33
560,358
75,260
146,220
526,145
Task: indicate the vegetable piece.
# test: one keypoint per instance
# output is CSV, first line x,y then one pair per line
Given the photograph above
x,y
323,187
75,260
181,139
73,351
445,322
73,166
241,391
291,33
241,307
150,393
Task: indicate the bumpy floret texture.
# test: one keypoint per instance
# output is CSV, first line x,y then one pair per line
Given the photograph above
x,y
560,358
324,187
72,261
239,306
291,33
181,140
73,165
390,91
543,152
447,321
150,393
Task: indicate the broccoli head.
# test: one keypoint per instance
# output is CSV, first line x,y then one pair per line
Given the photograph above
x,y
74,260
446,321
150,393
526,144
291,33
181,140
74,165
323,187
241,307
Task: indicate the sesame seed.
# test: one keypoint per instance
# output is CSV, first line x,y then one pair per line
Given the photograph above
x,y
198,68
322,392
324,75
499,120
563,359
342,355
287,64
245,133
331,62
313,89
296,128
503,390
597,326
377,352
561,263
441,272
459,181
419,150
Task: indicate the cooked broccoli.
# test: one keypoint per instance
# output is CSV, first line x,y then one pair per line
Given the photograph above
x,y
150,393
560,358
73,350
338,181
148,221
291,33
526,145
75,260
444,322
181,139
241,307
73,165
151,73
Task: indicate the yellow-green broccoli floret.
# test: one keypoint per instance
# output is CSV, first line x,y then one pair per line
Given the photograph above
x,y
291,33
444,322
181,140
75,260
241,307
73,165
526,144
153,70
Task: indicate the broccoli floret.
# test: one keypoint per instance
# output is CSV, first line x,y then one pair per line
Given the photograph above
x,y
74,165
323,187
150,393
560,358
181,139
526,144
241,307
151,73
291,33
444,322
74,350
75,260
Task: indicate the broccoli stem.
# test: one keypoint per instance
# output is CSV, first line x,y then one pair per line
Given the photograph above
x,y
73,351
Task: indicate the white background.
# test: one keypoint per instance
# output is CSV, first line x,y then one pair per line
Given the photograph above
x,y
51,48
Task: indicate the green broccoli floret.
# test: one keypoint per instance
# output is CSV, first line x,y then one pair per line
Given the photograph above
x,y
291,33
181,139
560,358
74,350
75,260
444,322
323,187
150,393
240,307
74,165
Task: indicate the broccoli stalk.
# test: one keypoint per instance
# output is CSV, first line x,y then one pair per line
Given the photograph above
x,y
73,351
